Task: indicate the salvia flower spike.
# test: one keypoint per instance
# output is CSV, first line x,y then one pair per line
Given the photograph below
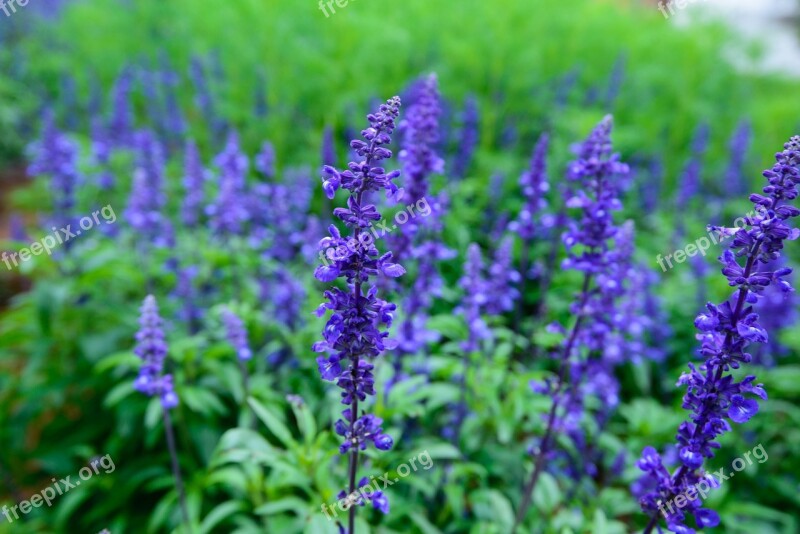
x,y
714,397
353,335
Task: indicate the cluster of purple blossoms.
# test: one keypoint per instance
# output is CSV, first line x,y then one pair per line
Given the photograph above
x,y
691,179
468,143
236,334
534,185
56,156
601,250
151,347
419,238
265,160
193,185
502,280
735,181
475,299
121,124
726,330
228,213
101,154
353,336
147,198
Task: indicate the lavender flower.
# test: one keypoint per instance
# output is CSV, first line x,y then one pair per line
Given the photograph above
x,y
534,185
470,130
228,212
735,182
236,334
147,198
193,185
121,125
328,148
353,335
420,131
597,248
713,395
151,347
475,299
501,287
690,180
265,160
101,153
56,156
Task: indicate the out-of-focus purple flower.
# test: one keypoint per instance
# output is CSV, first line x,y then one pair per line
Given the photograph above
x,y
534,185
101,153
186,294
735,182
328,148
265,160
420,130
228,213
502,282
121,125
147,198
236,334
468,142
690,182
475,299
194,177
56,156
151,347
287,295
726,330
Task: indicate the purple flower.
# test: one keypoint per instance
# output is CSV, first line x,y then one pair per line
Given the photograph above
x,y
121,125
502,282
147,198
690,180
151,347
236,334
328,148
534,185
228,213
475,299
713,395
468,143
265,160
193,185
735,180
56,156
353,336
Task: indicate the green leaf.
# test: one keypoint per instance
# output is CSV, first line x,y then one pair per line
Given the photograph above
x,y
219,514
273,423
280,506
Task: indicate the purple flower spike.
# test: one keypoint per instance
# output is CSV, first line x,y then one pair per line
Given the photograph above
x,y
236,334
354,334
151,347
726,330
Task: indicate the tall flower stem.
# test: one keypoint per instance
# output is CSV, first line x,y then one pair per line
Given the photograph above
x,y
527,493
176,470
353,467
